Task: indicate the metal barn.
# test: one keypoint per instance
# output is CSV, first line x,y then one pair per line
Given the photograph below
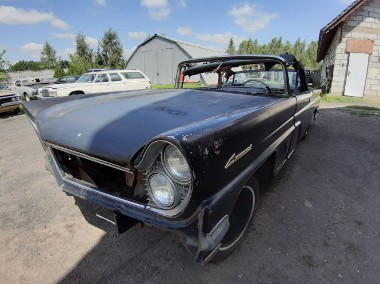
x,y
159,56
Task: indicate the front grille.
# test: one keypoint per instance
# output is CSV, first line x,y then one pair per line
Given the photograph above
x,y
45,93
102,177
8,99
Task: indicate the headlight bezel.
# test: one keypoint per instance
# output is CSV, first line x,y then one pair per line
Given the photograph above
x,y
152,162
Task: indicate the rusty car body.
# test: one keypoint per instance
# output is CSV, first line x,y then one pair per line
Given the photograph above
x,y
189,160
9,100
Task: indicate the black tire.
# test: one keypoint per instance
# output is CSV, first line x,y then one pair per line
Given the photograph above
x,y
75,93
240,219
16,111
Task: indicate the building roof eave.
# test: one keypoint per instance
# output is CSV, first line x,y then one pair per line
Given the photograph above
x,y
328,32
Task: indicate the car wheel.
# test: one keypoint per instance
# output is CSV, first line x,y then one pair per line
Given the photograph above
x,y
240,219
26,97
16,111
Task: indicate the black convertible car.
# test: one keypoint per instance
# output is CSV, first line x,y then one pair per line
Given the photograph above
x,y
188,159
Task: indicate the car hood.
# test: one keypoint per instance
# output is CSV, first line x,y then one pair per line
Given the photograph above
x,y
115,127
5,92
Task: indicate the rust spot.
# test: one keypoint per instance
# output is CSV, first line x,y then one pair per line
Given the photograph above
x,y
217,145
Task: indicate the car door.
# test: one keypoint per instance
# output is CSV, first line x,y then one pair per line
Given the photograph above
x,y
304,111
101,84
117,82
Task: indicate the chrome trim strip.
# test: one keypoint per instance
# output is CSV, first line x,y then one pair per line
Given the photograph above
x,y
9,96
90,158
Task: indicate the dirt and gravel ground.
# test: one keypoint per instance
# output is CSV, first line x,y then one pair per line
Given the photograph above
x,y
317,222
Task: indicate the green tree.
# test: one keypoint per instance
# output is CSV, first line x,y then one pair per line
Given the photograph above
x,y
82,59
306,53
311,53
110,51
82,47
49,57
3,64
231,47
58,71
26,65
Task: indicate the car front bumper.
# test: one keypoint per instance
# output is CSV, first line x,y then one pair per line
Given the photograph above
x,y
204,229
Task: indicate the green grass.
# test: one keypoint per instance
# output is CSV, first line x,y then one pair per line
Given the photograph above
x,y
341,99
365,108
158,86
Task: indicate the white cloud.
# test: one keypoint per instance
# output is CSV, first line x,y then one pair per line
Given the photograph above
x,y
128,52
157,9
101,2
346,1
66,52
184,31
91,41
34,49
182,3
15,16
250,18
138,35
65,35
220,38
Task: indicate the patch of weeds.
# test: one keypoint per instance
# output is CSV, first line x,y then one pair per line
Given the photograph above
x,y
363,111
366,108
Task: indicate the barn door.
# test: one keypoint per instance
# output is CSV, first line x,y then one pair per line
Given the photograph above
x,y
165,62
356,75
150,65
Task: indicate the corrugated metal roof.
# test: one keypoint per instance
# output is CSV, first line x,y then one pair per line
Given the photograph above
x,y
327,33
191,49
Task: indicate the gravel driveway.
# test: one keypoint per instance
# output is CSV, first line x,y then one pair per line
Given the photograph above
x,y
317,222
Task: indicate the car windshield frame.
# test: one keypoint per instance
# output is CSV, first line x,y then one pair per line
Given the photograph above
x,y
190,73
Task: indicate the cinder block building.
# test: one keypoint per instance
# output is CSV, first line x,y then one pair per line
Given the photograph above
x,y
350,49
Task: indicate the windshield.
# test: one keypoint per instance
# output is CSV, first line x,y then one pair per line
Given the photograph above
x,y
86,78
256,75
273,79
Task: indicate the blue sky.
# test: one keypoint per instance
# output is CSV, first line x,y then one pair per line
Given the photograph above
x,y
25,25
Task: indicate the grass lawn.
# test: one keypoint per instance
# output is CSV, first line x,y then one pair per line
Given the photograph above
x,y
341,99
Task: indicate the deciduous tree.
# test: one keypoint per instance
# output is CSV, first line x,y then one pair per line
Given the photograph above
x,y
110,51
231,47
49,57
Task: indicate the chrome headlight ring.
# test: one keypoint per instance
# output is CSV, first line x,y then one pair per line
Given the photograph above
x,y
176,164
162,190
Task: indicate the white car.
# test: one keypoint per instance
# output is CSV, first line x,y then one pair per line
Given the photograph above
x,y
21,88
98,82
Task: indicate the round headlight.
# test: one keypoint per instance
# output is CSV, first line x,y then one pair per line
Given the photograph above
x,y
176,164
161,190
